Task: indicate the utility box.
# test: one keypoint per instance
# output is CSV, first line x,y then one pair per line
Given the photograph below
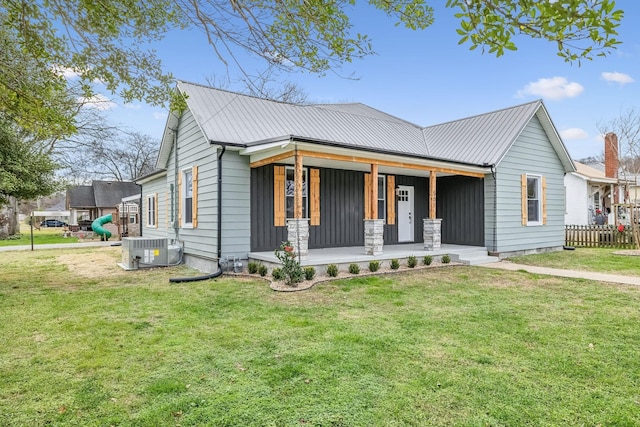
x,y
141,252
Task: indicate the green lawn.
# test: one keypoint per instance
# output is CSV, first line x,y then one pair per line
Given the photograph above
x,y
588,259
83,343
43,236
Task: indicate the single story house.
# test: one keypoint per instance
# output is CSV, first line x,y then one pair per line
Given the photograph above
x,y
238,175
89,202
588,190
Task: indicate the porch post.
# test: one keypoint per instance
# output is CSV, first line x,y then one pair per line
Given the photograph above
x,y
298,227
373,227
432,226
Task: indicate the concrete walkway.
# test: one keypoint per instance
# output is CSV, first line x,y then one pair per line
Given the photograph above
x,y
58,246
589,275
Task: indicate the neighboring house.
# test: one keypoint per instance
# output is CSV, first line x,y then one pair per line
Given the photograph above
x,y
613,185
238,174
588,190
89,202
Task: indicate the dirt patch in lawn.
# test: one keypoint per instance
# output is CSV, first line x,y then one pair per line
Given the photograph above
x,y
94,264
629,252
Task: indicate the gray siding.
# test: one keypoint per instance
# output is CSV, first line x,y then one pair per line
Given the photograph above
x,y
150,188
201,242
236,205
531,153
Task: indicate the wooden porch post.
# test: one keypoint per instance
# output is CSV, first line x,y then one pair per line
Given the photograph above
x,y
297,199
374,191
432,195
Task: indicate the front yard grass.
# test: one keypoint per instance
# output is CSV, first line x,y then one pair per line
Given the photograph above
x,y
43,236
85,343
600,260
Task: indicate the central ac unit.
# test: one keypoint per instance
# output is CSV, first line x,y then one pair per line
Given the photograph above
x,y
138,252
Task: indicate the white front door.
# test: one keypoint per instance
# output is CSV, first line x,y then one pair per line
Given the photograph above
x,y
405,214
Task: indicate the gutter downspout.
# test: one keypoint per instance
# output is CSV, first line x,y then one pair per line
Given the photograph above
x,y
219,272
495,209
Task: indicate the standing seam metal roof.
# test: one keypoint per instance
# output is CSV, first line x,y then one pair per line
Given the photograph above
x,y
246,120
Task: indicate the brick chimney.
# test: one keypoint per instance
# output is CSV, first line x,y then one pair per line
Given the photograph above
x,y
611,162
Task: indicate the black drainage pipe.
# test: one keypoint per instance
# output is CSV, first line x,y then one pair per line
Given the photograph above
x,y
219,272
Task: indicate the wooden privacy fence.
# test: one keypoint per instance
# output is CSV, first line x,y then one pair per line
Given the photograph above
x,y
602,236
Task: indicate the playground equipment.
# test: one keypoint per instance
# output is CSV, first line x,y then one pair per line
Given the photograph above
x,y
97,226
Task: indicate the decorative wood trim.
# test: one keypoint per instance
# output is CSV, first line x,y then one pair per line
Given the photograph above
x,y
314,193
432,195
523,196
297,194
194,197
180,199
279,202
391,199
544,200
356,159
155,210
367,196
374,191
272,159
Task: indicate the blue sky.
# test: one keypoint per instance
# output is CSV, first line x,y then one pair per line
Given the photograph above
x,y
425,77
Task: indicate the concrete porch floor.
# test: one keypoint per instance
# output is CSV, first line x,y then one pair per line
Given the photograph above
x,y
343,256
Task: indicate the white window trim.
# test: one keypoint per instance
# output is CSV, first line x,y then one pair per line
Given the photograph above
x,y
305,190
151,211
539,192
184,197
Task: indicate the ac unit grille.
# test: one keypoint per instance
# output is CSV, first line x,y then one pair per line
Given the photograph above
x,y
148,243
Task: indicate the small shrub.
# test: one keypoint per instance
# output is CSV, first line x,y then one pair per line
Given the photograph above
x,y
395,264
412,261
309,273
291,269
354,268
374,266
427,260
332,270
252,267
446,259
262,270
277,273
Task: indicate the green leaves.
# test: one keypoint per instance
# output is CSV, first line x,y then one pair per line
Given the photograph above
x,y
581,29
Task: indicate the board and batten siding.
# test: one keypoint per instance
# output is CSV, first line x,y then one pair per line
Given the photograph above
x,y
460,205
156,187
532,153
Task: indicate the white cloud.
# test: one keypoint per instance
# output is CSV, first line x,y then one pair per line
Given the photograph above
x,y
132,106
554,88
99,102
159,116
67,73
616,77
574,133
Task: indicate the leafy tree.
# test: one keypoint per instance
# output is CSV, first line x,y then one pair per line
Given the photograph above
x,y
24,173
111,41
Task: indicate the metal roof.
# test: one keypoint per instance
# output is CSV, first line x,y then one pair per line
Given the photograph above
x,y
243,120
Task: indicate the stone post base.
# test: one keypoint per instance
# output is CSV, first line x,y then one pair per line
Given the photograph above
x,y
373,236
432,233
298,236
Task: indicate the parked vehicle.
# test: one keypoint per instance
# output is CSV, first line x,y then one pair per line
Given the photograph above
x,y
52,223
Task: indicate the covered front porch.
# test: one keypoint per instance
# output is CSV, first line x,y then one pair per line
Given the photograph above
x,y
364,203
343,256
